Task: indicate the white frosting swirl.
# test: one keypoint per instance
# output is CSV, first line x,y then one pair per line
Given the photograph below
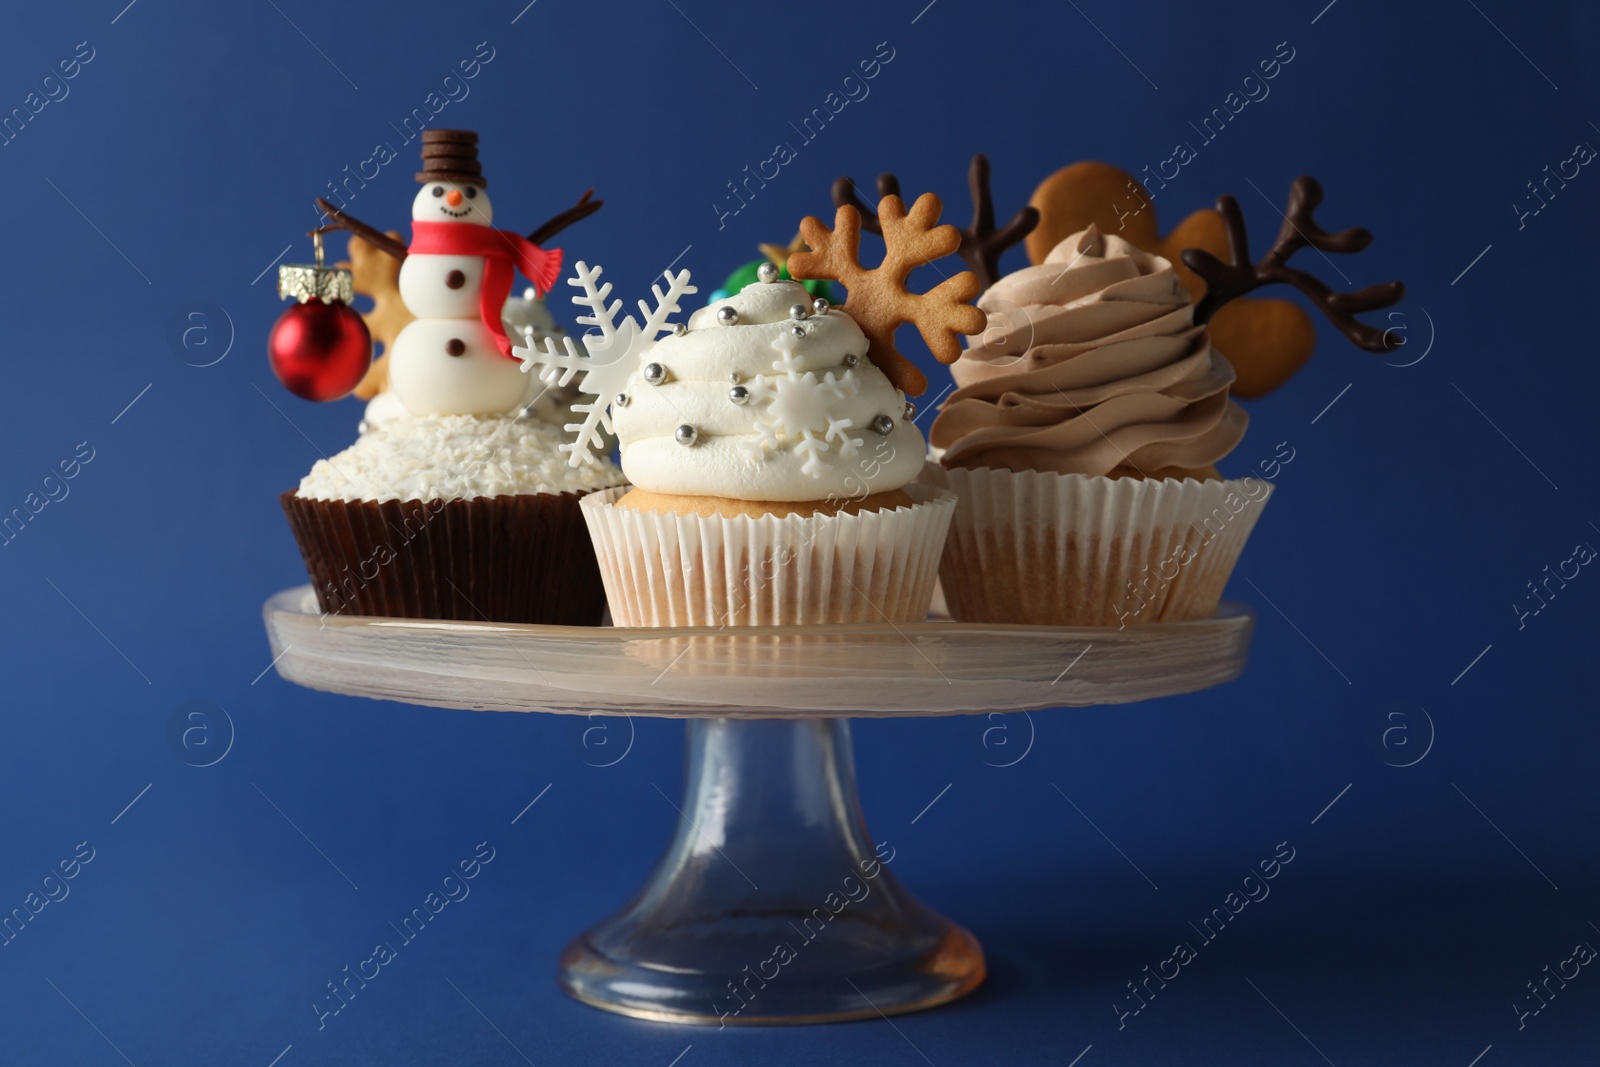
x,y
805,432
454,457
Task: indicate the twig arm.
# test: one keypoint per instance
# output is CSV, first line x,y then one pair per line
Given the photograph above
x,y
576,213
370,234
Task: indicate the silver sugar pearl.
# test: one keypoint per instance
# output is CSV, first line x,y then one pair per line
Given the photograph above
x,y
727,315
851,359
739,395
679,329
767,272
655,373
734,378
911,411
621,401
883,425
686,435
820,305
798,330
799,311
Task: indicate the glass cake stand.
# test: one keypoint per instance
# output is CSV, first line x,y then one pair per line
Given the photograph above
x,y
771,904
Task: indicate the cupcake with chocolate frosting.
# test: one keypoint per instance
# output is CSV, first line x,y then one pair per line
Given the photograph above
x,y
1083,441
1084,437
1104,371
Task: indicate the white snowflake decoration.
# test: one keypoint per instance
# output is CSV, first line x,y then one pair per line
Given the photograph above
x,y
840,388
766,437
612,355
848,446
788,345
797,407
811,447
796,403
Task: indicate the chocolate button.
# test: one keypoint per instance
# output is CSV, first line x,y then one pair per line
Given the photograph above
x,y
455,346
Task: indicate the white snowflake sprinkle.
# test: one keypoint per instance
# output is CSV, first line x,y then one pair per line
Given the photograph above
x,y
843,387
796,409
811,447
848,446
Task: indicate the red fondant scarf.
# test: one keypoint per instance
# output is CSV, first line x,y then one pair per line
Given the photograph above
x,y
501,250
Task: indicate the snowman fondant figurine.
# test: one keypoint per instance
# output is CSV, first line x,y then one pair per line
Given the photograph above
x,y
455,358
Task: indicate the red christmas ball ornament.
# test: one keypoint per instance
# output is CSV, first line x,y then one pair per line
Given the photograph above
x,y
320,348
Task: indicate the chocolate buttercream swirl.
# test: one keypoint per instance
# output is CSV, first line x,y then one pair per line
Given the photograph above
x,y
1092,363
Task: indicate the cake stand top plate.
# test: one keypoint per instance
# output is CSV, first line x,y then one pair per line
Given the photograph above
x,y
878,671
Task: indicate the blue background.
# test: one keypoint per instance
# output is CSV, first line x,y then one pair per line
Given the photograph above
x,y
184,159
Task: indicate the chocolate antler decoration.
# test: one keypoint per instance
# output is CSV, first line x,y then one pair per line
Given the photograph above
x,y
1228,281
844,192
982,244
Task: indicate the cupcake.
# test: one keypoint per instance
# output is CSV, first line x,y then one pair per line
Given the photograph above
x,y
1082,442
458,502
770,446
1084,436
470,517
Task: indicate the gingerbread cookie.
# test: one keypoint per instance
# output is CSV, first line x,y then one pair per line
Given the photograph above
x,y
1266,340
377,276
980,244
878,298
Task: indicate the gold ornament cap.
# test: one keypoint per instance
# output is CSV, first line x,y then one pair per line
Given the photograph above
x,y
316,281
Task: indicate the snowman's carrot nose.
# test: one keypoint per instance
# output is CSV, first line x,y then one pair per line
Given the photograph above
x,y
453,198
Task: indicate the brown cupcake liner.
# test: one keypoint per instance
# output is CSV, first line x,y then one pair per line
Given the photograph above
x,y
525,558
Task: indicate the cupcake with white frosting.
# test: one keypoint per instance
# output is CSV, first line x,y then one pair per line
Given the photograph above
x,y
455,503
771,449
469,517
772,469
787,413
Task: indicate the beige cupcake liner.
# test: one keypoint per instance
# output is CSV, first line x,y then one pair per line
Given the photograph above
x,y
1072,550
661,569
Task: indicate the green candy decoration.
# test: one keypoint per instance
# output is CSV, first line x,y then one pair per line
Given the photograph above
x,y
746,275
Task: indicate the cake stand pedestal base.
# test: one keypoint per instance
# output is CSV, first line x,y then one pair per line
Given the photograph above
x,y
771,904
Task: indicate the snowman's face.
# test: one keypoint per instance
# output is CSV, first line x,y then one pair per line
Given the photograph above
x,y
449,202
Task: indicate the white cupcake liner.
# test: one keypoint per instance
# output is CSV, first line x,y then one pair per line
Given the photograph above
x,y
663,569
1073,550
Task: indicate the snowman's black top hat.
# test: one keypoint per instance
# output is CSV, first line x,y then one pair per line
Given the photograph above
x,y
451,156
